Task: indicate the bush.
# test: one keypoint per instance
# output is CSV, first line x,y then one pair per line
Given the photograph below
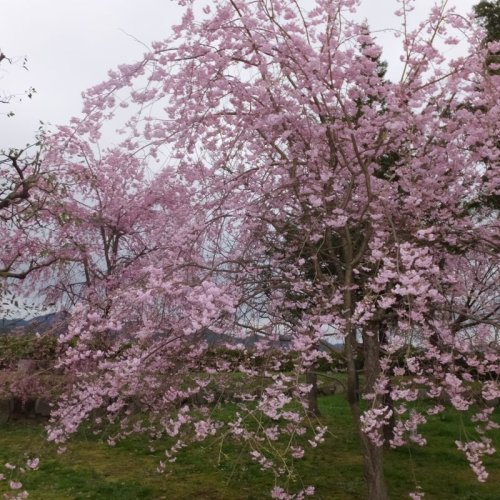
x,y
14,347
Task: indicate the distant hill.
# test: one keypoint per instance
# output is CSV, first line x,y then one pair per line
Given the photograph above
x,y
7,325
46,322
38,324
218,339
283,342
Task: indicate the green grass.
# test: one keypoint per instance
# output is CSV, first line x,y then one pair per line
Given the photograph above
x,y
91,469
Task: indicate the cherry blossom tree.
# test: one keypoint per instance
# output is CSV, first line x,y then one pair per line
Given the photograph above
x,y
295,192
25,185
24,189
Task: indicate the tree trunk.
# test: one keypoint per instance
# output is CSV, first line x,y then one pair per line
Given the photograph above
x,y
389,427
312,397
387,400
373,456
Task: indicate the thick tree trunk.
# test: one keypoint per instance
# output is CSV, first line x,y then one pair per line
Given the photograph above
x,y
373,456
374,469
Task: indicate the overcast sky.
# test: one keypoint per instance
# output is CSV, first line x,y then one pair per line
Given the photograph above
x,y
70,45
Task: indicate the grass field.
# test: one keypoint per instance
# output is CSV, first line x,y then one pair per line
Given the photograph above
x,y
93,470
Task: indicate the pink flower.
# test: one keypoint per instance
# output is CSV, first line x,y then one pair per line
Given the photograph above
x,y
297,452
15,485
280,494
33,463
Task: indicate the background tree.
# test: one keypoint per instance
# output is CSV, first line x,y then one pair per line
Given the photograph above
x,y
489,14
25,186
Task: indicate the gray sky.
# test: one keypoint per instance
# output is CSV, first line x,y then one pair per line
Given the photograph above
x,y
70,45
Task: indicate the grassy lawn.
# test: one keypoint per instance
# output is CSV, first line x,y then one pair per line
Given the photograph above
x,y
93,470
